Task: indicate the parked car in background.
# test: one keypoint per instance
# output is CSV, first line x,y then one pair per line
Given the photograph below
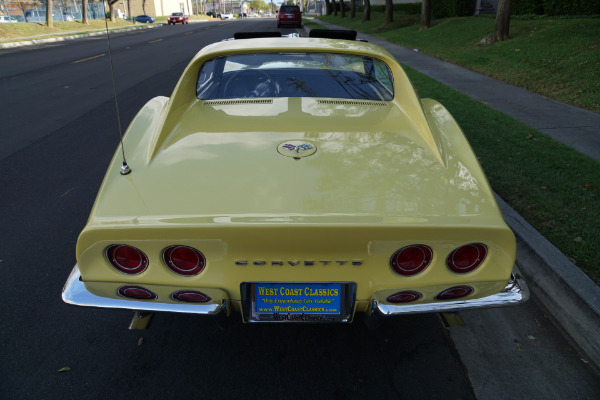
x,y
40,16
227,16
7,20
177,18
145,19
211,14
300,180
289,15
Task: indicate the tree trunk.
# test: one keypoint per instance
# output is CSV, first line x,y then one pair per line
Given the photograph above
x,y
49,14
352,9
367,11
342,9
502,20
389,12
334,8
425,14
111,9
129,16
327,7
84,16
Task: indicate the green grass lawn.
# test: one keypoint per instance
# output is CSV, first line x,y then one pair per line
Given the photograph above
x,y
555,188
558,58
29,29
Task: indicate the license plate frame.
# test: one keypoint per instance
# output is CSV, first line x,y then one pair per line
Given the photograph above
x,y
300,302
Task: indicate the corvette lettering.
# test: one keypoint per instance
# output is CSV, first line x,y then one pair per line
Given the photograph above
x,y
307,263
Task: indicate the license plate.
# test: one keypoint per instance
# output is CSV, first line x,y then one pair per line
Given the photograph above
x,y
298,302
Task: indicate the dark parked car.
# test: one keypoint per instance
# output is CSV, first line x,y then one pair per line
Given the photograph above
x,y
289,15
145,19
211,14
177,17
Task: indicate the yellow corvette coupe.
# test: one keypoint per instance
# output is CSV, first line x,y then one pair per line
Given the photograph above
x,y
295,179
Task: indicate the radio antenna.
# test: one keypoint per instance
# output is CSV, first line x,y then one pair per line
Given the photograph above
x,y
125,167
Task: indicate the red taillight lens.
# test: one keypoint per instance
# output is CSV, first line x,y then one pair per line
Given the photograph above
x,y
406,296
411,260
137,292
190,296
184,260
127,259
466,258
455,292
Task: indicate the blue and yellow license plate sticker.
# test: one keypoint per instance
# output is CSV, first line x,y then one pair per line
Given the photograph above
x,y
298,298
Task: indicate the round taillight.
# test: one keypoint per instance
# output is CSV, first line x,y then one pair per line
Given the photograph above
x,y
411,260
406,296
466,258
127,259
137,292
190,296
455,292
184,260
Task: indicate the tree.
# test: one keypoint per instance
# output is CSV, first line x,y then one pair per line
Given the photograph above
x,y
49,14
327,7
502,20
389,12
129,16
258,5
111,6
367,11
334,8
342,9
84,16
425,14
352,9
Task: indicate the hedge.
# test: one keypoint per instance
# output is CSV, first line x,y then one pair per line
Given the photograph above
x,y
463,8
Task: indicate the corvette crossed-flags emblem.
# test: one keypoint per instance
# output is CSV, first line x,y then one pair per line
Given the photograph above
x,y
292,147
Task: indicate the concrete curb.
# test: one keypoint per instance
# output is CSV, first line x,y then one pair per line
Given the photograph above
x,y
34,41
31,41
566,292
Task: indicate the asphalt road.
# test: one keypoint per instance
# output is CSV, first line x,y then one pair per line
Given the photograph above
x,y
59,131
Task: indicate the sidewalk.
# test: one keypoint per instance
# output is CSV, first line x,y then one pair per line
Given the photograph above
x,y
566,292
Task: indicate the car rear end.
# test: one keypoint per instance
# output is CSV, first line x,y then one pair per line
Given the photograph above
x,y
289,15
278,271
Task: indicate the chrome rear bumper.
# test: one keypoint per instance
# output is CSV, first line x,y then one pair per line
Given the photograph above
x,y
75,292
515,292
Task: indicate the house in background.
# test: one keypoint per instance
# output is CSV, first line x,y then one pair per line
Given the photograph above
x,y
154,8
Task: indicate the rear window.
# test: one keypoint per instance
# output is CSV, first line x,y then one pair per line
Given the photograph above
x,y
290,9
328,75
